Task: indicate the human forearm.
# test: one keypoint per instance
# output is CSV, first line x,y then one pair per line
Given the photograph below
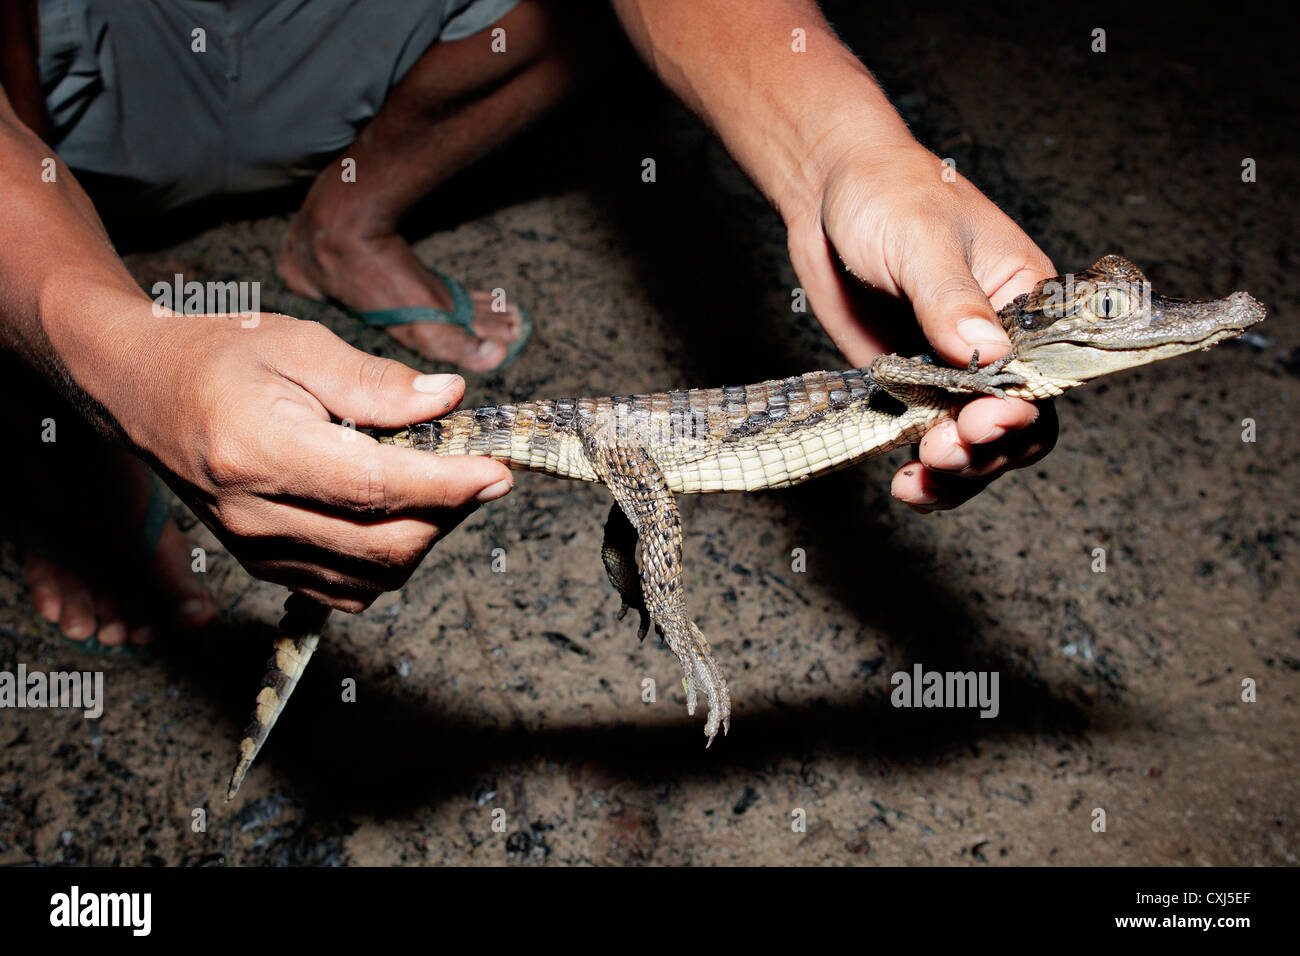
x,y
786,116
65,296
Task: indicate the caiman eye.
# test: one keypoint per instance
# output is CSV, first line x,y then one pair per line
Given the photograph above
x,y
1109,303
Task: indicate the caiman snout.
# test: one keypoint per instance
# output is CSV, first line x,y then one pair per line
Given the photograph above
x,y
1244,310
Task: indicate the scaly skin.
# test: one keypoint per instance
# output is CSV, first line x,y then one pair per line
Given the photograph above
x,y
646,448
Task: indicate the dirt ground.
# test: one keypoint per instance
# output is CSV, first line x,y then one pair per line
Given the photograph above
x,y
519,691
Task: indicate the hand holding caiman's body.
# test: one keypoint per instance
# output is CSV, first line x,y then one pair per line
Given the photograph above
x,y
646,448
351,518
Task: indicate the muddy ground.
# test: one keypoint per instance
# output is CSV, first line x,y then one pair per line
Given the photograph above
x,y
479,690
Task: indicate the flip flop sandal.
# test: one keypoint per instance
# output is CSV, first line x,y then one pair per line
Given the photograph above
x,y
461,314
155,518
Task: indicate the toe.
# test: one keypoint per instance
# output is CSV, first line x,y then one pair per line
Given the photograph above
x,y
446,343
42,579
112,633
492,322
77,620
112,628
483,355
141,635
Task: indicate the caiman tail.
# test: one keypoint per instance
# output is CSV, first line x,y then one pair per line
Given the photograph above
x,y
300,631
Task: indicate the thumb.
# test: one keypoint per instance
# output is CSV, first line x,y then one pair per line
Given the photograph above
x,y
372,392
952,309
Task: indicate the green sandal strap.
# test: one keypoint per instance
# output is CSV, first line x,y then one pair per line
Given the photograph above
x,y
461,313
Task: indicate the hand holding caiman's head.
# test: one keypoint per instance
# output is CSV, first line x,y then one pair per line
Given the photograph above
x,y
1075,327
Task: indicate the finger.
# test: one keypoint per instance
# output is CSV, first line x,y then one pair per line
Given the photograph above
x,y
925,490
333,589
942,450
988,419
1017,450
952,309
341,468
372,548
929,488
370,391
951,445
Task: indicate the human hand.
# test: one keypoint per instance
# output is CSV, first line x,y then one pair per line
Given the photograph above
x,y
905,225
239,421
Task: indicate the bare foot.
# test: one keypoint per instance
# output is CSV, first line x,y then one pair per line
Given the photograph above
x,y
91,512
367,272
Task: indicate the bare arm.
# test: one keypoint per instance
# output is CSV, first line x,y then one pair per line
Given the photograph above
x,y
812,128
784,115
55,253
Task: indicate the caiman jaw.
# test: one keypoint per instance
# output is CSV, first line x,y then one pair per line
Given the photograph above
x,y
1104,319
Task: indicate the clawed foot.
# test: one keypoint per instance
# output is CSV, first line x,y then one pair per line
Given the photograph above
x,y
991,380
899,376
702,671
644,627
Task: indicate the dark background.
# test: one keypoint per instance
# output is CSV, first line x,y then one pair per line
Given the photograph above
x,y
1119,691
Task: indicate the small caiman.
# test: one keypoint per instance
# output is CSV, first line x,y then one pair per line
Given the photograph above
x,y
646,448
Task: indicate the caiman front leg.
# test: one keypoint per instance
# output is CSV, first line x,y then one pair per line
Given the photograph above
x,y
903,377
618,551
640,490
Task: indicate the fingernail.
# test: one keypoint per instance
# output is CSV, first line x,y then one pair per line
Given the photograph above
x,y
494,491
488,347
956,459
922,497
432,384
980,332
110,635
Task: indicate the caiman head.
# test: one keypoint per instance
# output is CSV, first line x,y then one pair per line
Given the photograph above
x,y
1075,327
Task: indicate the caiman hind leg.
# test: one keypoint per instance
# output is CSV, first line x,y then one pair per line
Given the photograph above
x,y
642,493
618,551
